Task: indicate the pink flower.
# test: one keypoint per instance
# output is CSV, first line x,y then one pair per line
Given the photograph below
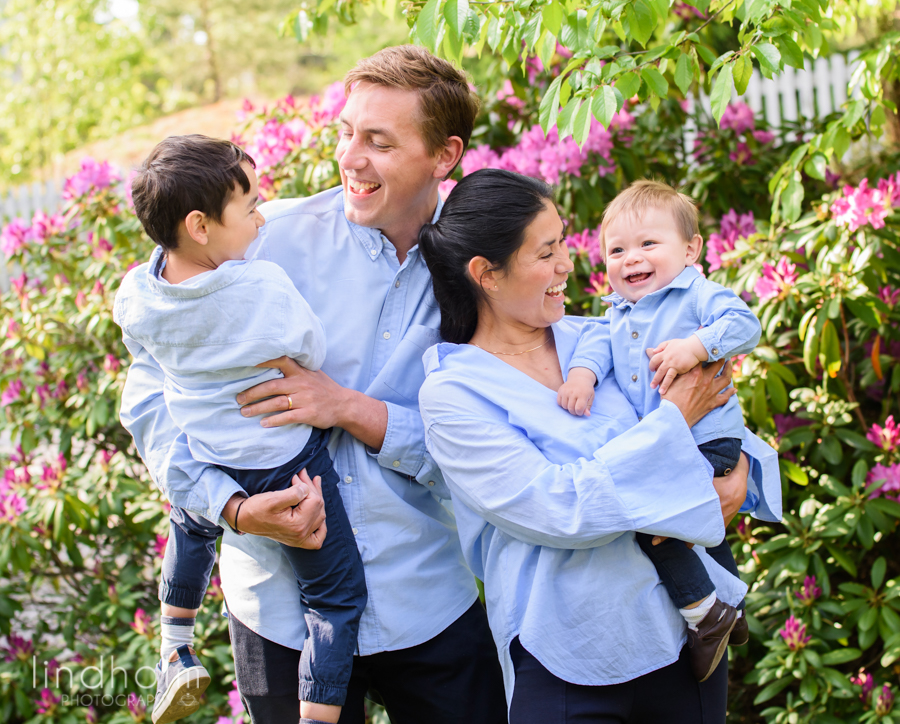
x,y
479,157
215,588
14,237
598,285
763,137
685,11
738,117
234,701
887,437
159,547
890,189
777,280
742,155
81,381
507,93
890,475
91,716
18,284
785,423
137,707
13,392
587,242
885,701
18,648
142,623
12,329
734,226
98,287
43,226
92,177
810,591
327,107
12,505
80,300
111,364
794,633
889,295
445,187
866,681
861,205
46,703
102,247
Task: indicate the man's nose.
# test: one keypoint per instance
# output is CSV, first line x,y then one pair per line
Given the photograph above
x,y
350,155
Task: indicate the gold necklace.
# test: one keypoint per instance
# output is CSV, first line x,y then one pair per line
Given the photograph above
x,y
512,354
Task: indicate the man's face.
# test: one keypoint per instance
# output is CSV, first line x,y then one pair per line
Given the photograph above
x,y
389,177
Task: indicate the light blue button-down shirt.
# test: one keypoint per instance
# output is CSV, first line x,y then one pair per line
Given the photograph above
x,y
207,334
546,503
619,342
379,318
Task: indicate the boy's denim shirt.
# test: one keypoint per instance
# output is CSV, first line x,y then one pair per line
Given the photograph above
x,y
207,334
619,341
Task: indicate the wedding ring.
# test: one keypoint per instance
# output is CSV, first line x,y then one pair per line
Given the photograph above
x,y
290,402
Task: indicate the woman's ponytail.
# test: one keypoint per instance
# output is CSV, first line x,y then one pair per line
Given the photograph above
x,y
485,215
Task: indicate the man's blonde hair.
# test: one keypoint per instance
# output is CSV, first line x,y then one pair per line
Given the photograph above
x,y
649,194
446,105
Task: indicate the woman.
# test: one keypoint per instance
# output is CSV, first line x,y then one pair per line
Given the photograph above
x,y
546,502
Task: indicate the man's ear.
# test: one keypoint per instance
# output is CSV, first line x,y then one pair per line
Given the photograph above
x,y
482,274
448,157
196,224
694,247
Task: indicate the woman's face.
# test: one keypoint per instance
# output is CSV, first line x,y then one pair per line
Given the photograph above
x,y
532,291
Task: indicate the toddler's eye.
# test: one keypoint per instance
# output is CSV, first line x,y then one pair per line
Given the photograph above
x,y
648,243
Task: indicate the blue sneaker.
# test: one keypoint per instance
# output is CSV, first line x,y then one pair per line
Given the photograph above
x,y
179,687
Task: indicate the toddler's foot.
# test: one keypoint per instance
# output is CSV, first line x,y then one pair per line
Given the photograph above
x,y
740,634
707,644
180,683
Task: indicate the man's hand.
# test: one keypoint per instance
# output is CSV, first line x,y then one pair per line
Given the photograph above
x,y
294,517
675,357
577,393
313,398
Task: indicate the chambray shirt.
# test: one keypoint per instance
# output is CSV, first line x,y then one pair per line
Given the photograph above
x,y
619,342
207,334
547,502
379,318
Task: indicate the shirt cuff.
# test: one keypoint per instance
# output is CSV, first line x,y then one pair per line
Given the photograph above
x,y
711,343
210,494
588,364
403,449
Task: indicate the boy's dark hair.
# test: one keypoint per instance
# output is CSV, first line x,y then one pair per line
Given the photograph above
x,y
184,174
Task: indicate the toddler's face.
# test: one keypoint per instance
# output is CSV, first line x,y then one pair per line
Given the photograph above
x,y
240,222
646,253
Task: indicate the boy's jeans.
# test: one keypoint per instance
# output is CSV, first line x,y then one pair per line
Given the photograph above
x,y
679,568
331,581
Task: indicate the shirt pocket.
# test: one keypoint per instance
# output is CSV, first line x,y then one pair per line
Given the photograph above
x,y
400,379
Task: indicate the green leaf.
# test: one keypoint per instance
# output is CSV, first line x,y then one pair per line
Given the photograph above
x,y
455,13
830,349
878,570
495,33
853,113
427,24
772,690
603,105
777,392
582,126
840,656
721,92
794,472
707,54
759,409
574,32
854,439
790,52
684,73
566,121
792,198
743,71
655,81
532,31
546,48
628,85
767,55
553,16
549,108
843,560
642,19
815,166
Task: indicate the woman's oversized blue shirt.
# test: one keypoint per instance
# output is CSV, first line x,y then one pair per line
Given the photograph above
x,y
547,502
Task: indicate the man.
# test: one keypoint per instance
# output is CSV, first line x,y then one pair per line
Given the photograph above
x,y
424,647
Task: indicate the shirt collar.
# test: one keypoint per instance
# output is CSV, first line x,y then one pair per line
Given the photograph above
x,y
682,281
372,239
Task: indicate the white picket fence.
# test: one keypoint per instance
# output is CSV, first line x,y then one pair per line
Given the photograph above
x,y
23,201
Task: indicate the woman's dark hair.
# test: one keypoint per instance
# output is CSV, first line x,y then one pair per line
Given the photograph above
x,y
486,215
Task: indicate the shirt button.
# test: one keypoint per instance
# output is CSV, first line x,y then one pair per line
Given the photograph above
x,y
431,483
348,479
355,531
640,417
386,335
634,335
715,350
374,252
634,378
396,463
397,283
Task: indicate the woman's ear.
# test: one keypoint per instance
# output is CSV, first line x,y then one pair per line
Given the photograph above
x,y
196,225
692,252
482,274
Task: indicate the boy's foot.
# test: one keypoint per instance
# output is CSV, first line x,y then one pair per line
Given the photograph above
x,y
179,686
740,634
709,641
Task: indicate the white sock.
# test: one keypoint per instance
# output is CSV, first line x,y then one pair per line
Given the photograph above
x,y
695,615
175,632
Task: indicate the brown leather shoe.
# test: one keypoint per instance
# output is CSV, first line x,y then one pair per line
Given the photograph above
x,y
708,643
740,634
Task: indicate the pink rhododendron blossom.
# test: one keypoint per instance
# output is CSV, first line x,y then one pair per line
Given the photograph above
x,y
686,12
785,423
44,226
863,205
234,701
890,189
738,117
111,364
81,381
142,623
885,701
215,588
890,474
478,158
887,437
587,242
98,287
159,547
777,280
136,707
764,137
18,648
80,300
598,285
43,393
445,187
810,591
742,155
734,226
889,295
327,107
794,633
18,284
12,393
93,176
507,94
12,329
47,702
12,505
866,681
15,236
91,716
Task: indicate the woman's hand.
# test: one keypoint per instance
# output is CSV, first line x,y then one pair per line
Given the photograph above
x,y
699,391
732,489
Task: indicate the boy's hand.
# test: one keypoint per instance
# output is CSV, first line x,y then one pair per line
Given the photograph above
x,y
577,394
675,357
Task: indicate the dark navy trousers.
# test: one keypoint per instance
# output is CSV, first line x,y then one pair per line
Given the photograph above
x,y
331,581
680,569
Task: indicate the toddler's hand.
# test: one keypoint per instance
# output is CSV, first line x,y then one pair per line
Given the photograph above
x,y
577,394
674,357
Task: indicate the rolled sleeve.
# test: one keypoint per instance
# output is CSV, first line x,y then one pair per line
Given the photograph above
x,y
594,348
403,449
729,327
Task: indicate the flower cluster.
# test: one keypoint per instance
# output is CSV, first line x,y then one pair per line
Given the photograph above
x,y
794,633
890,475
866,682
885,701
92,177
733,226
862,205
740,119
887,437
47,702
12,505
18,233
776,281
586,242
143,624
18,648
237,708
810,591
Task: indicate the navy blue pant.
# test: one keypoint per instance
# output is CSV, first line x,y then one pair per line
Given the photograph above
x,y
679,568
331,580
454,678
670,695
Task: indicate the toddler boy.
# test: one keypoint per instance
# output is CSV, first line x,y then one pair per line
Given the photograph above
x,y
664,306
207,317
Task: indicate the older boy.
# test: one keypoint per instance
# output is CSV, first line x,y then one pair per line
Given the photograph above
x,y
207,317
662,305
